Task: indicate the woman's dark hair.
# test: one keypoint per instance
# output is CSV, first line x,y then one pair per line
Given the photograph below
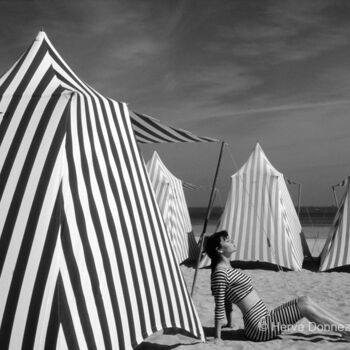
x,y
212,243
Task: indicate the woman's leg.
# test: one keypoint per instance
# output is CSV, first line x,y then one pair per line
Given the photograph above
x,y
262,325
315,313
285,316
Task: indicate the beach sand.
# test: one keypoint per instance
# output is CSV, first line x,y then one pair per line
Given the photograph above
x,y
329,289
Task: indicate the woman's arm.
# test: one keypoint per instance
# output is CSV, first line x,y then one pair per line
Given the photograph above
x,y
229,313
219,284
218,326
229,316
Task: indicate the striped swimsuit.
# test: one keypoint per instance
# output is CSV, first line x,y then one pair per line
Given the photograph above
x,y
229,286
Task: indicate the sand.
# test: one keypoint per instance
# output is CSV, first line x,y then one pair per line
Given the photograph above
x,y
329,289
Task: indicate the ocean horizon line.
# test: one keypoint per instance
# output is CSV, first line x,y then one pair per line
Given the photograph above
x,y
308,215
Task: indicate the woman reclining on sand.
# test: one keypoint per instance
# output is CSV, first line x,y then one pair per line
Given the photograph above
x,y
230,286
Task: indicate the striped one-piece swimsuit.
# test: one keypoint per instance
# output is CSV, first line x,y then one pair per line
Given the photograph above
x,y
229,286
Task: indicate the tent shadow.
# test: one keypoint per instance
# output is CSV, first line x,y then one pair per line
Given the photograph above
x,y
311,263
254,265
226,334
314,337
154,346
150,345
345,268
189,263
243,265
238,335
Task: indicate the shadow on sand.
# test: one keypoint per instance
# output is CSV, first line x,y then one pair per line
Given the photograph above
x,y
309,263
188,339
238,335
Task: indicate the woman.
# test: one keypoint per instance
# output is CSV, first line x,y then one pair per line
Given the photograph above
x,y
230,286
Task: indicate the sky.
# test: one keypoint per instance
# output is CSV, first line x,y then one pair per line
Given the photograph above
x,y
274,72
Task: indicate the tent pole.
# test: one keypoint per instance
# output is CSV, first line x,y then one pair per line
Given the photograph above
x,y
335,197
212,204
299,196
201,240
212,190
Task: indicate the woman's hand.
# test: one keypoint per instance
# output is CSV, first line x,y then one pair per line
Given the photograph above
x,y
218,325
217,341
229,316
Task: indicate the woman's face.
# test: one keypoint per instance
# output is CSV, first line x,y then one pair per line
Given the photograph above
x,y
227,247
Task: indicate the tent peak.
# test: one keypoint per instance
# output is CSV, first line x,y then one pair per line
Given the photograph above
x,y
155,155
266,165
257,145
41,35
258,148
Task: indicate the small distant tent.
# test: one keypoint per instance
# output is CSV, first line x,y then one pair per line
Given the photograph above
x,y
336,251
260,217
85,261
171,199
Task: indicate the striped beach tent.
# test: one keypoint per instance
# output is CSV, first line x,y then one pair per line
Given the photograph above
x,y
151,130
171,199
85,262
260,217
336,251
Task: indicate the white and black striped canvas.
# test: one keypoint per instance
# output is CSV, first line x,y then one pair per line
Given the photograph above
x,y
150,130
336,251
171,199
260,217
84,258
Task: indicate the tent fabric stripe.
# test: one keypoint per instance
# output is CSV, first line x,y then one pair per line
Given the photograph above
x,y
150,130
260,217
86,227
336,251
42,276
109,276
172,203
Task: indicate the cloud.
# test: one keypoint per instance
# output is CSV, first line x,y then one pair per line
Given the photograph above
x,y
284,108
274,71
210,84
286,31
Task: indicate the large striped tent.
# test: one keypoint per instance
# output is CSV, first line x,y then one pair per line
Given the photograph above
x,y
171,199
150,130
84,258
260,217
336,251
